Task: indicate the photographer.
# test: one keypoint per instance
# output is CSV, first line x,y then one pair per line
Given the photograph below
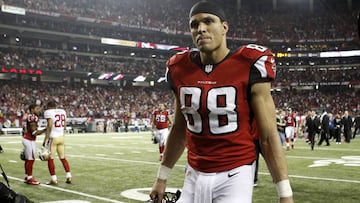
x,y
7,195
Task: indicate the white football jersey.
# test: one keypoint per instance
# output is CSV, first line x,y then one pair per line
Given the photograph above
x,y
58,117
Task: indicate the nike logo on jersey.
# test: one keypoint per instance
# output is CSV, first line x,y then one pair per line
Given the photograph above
x,y
233,174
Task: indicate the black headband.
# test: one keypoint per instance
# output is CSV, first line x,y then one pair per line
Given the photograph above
x,y
207,7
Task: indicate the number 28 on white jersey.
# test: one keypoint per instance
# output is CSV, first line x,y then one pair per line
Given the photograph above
x,y
58,117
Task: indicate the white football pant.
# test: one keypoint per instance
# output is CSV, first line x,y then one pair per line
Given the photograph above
x,y
162,134
29,148
234,186
289,132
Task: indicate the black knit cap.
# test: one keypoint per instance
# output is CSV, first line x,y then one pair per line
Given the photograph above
x,y
207,7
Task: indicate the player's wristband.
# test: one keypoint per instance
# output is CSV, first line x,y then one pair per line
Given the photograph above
x,y
283,188
163,172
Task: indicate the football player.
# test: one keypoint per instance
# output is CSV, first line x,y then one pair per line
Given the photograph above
x,y
218,93
28,140
290,121
160,124
55,140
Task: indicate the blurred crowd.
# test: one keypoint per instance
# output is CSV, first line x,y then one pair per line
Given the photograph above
x,y
82,101
335,100
257,21
114,102
62,61
288,71
327,28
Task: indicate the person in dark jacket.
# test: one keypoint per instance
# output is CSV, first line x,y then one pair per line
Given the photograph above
x,y
325,130
331,126
356,125
346,122
337,128
311,128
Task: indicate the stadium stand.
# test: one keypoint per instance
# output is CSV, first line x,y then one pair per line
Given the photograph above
x,y
57,48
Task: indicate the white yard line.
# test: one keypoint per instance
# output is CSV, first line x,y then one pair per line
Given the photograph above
x,y
318,178
182,166
72,191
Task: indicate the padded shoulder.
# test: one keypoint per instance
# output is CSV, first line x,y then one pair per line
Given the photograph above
x,y
253,52
177,58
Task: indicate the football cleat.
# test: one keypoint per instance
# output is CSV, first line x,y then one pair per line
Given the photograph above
x,y
68,180
52,182
32,181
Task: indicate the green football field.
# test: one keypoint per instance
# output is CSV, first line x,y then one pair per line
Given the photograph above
x,y
121,167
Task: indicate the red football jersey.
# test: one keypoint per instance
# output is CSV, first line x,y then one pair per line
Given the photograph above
x,y
31,118
255,131
214,100
161,119
290,119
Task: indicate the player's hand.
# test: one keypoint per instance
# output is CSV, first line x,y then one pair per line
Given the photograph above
x,y
46,144
158,190
43,131
286,200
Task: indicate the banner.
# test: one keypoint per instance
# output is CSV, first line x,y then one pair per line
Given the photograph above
x,y
13,10
118,42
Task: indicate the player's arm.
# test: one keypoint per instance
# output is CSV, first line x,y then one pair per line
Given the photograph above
x,y
153,122
34,130
169,120
48,130
264,109
175,146
65,125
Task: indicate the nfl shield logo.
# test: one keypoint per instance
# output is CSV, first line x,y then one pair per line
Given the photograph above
x,y
208,68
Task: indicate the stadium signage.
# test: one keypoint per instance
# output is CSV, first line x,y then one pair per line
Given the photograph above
x,y
13,10
21,71
335,83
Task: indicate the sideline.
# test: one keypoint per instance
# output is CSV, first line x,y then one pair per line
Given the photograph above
x,y
263,173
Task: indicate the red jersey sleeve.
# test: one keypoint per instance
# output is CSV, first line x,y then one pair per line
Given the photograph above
x,y
263,68
178,57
